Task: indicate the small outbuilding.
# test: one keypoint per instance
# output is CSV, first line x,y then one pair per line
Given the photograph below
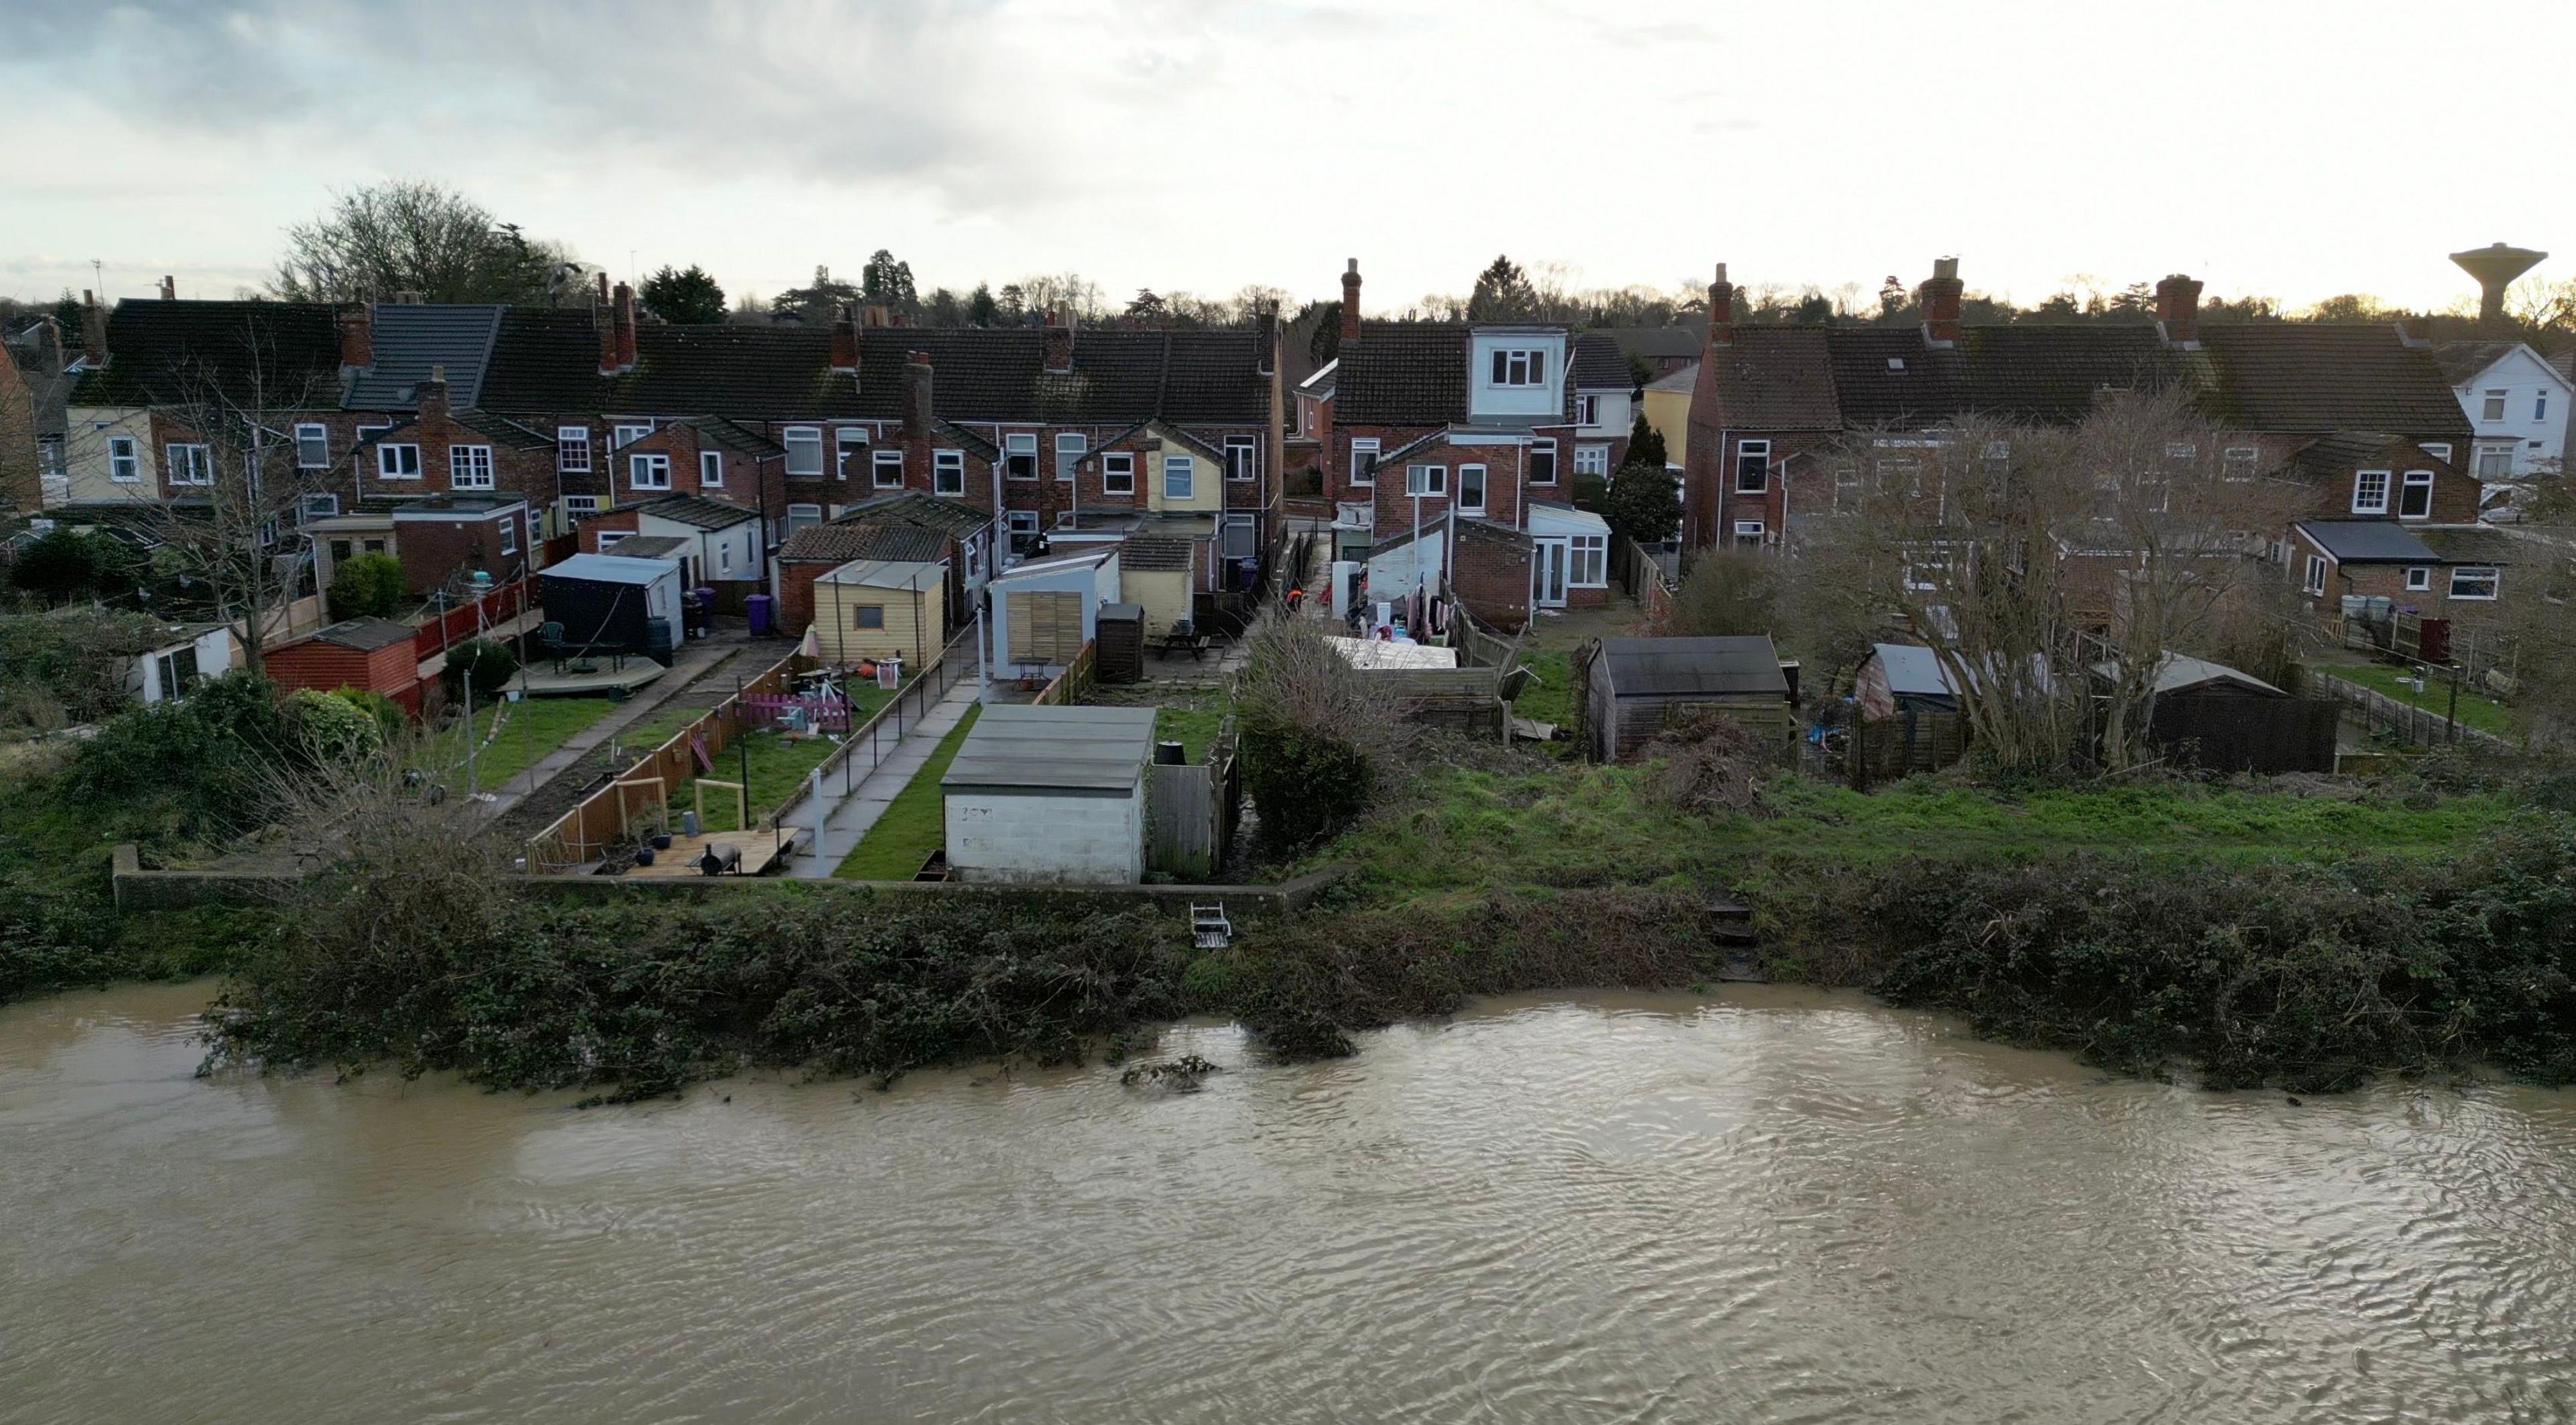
x,y
608,604
1633,687
1045,609
1050,795
374,654
881,608
1901,678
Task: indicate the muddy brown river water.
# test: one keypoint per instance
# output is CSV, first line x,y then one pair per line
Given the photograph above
x,y
1768,1205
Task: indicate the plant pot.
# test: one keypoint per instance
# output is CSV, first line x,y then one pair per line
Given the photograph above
x,y
661,841
643,855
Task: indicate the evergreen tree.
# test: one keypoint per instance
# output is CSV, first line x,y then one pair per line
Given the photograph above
x,y
689,297
888,283
981,309
814,305
1646,444
1503,294
1146,307
943,308
1644,504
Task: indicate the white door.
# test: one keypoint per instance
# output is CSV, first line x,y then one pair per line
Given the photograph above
x,y
1547,573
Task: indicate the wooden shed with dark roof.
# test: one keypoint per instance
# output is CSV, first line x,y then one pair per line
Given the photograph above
x,y
374,654
1630,689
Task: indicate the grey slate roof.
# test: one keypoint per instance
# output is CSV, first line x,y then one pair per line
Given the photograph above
x,y
1685,667
649,546
409,339
1680,378
1041,749
1680,339
727,435
2369,542
1119,376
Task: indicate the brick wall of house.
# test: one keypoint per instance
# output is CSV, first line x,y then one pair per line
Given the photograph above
x,y
20,482
433,549
1492,575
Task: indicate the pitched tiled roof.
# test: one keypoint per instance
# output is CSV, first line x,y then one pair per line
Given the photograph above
x,y
408,339
727,435
501,430
948,432
883,538
953,516
1153,553
2048,375
263,355
2461,361
1680,339
1777,378
697,510
2314,376
547,361
1119,376
1599,364
2458,545
2345,451
1403,373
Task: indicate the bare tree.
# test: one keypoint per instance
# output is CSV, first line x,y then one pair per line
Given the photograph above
x,y
408,236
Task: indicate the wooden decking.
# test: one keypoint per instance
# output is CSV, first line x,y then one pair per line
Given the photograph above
x,y
759,846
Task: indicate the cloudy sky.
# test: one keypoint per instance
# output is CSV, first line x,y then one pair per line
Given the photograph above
x,y
2296,149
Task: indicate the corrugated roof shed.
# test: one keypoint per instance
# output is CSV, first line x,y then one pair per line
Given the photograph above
x,y
1683,667
907,575
883,538
697,511
1042,749
609,569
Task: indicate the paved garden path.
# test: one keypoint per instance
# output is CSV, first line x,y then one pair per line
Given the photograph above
x,y
846,816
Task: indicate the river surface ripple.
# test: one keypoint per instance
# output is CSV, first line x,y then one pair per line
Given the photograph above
x,y
1770,1205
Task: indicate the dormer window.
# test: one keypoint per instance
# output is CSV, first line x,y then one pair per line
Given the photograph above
x,y
1519,366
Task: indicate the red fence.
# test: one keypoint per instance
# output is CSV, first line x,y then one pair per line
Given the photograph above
x,y
459,624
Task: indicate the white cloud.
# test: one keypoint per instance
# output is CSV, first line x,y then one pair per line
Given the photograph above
x,y
2289,149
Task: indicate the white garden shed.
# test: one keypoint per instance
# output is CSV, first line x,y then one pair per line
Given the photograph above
x,y
1050,795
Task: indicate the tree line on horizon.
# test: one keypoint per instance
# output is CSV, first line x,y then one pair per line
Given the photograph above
x,y
420,239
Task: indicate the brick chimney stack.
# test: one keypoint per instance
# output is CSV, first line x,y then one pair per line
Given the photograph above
x,y
603,289
1721,310
600,319
1351,301
916,395
169,289
1059,346
1940,297
433,394
845,343
2178,310
357,337
622,321
93,329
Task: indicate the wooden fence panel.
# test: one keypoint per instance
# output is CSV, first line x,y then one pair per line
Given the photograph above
x,y
2231,734
603,820
1885,749
2414,726
1181,821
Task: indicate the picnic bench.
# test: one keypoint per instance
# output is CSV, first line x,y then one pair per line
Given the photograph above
x,y
1184,637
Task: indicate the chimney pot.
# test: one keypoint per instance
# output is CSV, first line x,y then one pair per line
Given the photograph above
x,y
1351,301
1721,312
433,394
169,289
1059,349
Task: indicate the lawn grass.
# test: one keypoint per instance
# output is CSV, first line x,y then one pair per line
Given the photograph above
x,y
1193,723
1549,694
778,766
915,823
2477,709
535,727
1585,825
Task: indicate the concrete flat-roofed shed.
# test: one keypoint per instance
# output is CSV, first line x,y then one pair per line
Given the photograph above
x,y
1634,687
1050,795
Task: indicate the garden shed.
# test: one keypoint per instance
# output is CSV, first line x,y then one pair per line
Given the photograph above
x,y
881,608
1902,678
1045,609
1633,687
1050,795
370,653
609,603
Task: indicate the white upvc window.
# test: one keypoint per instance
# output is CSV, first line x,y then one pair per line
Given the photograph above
x,y
724,557
2492,407
1070,447
1020,521
804,451
2415,498
2477,582
1118,472
1752,466
312,446
849,451
1242,457
124,459
1180,477
801,515
1589,565
1471,489
711,469
319,505
2239,462
189,463
628,433
509,536
1591,458
469,467
398,461
888,470
575,506
948,472
572,449
2438,449
1542,460
1363,454
1748,535
2370,492
2314,581
2419,579
1426,479
609,539
1513,366
648,471
1587,410
1020,456
2495,462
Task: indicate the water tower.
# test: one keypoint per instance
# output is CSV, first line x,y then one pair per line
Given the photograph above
x,y
2495,266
